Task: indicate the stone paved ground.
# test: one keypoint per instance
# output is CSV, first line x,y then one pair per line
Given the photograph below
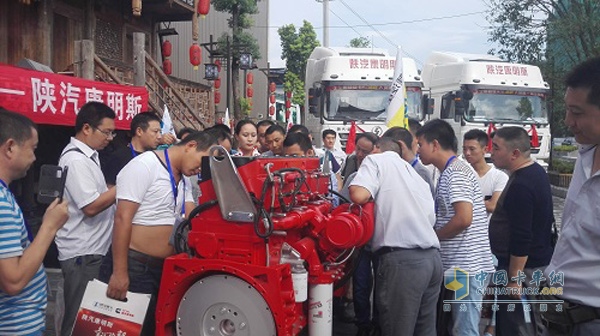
x,y
341,328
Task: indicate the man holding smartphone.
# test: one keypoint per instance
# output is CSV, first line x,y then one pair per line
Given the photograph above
x,y
23,293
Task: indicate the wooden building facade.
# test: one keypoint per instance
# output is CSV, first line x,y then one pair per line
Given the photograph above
x,y
45,31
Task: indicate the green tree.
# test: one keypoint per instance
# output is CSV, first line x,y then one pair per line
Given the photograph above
x,y
296,47
554,34
525,108
360,42
239,41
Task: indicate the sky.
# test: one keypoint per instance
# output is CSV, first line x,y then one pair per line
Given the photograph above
x,y
419,26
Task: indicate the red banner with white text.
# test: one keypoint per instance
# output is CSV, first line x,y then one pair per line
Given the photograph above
x,y
52,99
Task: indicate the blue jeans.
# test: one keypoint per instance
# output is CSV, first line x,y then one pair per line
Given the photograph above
x,y
144,277
362,285
466,322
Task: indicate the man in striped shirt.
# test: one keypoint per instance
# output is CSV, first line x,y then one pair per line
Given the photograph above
x,y
461,224
23,283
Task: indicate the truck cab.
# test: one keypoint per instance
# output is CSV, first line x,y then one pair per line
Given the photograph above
x,y
483,92
353,84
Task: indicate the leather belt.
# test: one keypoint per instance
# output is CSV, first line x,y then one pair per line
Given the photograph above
x,y
571,314
145,259
387,249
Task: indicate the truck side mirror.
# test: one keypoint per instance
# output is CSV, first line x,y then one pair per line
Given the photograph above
x,y
461,103
313,100
446,108
427,105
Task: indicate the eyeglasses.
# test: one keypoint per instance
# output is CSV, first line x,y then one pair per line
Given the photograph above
x,y
107,133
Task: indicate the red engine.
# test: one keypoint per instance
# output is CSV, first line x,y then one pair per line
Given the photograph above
x,y
262,253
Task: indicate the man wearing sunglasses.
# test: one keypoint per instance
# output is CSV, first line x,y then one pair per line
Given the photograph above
x,y
84,240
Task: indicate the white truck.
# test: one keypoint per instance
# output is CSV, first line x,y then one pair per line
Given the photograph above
x,y
483,92
353,84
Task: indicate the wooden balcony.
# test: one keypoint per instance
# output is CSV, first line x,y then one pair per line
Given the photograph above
x,y
168,10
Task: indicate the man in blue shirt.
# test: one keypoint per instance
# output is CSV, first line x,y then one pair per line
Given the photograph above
x,y
23,289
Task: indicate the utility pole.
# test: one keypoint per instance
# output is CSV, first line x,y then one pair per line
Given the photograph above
x,y
326,23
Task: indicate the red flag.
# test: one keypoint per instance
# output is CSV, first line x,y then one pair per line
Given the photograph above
x,y
351,137
535,140
490,130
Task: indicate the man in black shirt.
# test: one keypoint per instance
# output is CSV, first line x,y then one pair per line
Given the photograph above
x,y
520,229
145,135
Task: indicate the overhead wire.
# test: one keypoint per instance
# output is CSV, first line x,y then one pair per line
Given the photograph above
x,y
387,39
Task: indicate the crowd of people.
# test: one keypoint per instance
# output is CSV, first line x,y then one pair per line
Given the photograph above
x,y
446,227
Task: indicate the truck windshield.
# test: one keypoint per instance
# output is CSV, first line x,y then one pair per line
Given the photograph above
x,y
507,105
366,102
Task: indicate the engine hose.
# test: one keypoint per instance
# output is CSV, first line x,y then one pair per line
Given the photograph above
x,y
180,238
342,197
262,213
348,275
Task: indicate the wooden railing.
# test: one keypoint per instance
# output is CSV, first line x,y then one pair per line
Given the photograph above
x,y
166,92
188,103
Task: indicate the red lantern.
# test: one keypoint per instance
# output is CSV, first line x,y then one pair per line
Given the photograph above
x,y
218,64
217,97
249,92
167,48
288,104
167,67
272,99
195,55
272,87
218,83
271,110
249,78
203,7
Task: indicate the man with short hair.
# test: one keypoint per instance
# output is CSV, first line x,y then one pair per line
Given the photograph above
x,y
152,199
520,227
329,137
297,144
461,221
409,270
23,290
262,127
577,252
145,135
364,145
406,140
491,179
184,132
274,136
84,240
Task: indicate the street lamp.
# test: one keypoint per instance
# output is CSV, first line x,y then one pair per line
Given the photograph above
x,y
246,61
211,71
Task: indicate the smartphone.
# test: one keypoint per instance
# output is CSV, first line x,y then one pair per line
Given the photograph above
x,y
52,183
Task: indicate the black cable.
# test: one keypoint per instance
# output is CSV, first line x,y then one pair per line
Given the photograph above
x,y
180,239
342,197
262,213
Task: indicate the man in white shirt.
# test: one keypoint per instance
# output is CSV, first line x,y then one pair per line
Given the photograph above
x,y
84,240
491,180
329,137
409,271
154,196
577,252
